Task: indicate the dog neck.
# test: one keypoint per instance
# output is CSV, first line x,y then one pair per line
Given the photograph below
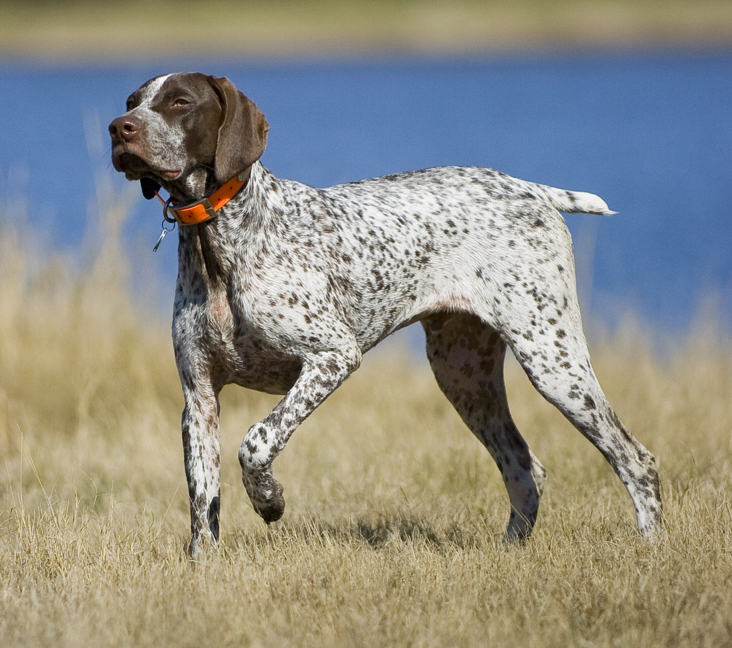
x,y
200,211
207,251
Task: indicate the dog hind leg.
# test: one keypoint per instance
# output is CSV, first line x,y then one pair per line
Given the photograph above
x,y
553,353
466,356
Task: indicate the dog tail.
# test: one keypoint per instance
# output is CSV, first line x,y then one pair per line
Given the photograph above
x,y
576,202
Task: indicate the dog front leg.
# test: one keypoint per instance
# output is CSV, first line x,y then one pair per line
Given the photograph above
x,y
201,448
321,374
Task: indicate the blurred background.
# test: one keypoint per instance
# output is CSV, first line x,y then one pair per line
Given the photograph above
x,y
629,99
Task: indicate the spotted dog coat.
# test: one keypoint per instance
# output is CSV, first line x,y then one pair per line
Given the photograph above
x,y
289,285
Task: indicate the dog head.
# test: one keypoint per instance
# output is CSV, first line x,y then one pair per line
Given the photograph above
x,y
187,133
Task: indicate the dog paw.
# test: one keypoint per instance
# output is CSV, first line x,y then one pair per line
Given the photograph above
x,y
201,544
265,493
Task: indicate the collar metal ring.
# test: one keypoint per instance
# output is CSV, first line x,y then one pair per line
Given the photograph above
x,y
165,211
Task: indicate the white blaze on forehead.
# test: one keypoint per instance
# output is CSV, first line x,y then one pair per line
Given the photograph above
x,y
150,91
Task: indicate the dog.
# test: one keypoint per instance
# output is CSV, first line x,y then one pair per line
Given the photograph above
x,y
283,287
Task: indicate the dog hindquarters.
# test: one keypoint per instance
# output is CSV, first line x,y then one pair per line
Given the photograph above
x,y
466,356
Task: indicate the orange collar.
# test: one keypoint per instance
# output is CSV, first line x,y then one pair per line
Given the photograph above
x,y
207,208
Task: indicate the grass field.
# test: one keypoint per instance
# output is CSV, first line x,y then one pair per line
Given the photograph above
x,y
395,513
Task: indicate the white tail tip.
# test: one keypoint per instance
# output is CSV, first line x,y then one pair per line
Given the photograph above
x,y
577,202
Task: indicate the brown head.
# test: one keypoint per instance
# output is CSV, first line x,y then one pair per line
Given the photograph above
x,y
188,133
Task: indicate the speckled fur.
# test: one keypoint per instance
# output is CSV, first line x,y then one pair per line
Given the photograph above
x,y
289,286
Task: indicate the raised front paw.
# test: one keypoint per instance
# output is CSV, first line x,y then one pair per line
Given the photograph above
x,y
265,493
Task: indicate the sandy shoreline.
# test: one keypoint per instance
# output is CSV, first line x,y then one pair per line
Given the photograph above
x,y
295,29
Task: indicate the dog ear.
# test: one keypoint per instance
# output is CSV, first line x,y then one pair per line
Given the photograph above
x,y
242,133
149,187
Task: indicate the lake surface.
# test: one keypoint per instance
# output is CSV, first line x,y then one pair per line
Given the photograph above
x,y
649,132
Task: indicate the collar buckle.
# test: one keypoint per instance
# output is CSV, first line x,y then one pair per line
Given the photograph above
x,y
208,207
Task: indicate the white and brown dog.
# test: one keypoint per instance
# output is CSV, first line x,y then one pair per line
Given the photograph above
x,y
283,287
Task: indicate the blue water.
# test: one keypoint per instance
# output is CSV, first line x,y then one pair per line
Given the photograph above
x,y
649,132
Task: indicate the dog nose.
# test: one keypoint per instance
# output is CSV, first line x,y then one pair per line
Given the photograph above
x,y
124,128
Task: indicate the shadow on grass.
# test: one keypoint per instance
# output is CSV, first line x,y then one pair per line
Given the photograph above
x,y
378,533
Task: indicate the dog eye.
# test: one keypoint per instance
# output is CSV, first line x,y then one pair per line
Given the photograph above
x,y
180,102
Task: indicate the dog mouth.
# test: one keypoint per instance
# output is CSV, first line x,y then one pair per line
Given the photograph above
x,y
135,167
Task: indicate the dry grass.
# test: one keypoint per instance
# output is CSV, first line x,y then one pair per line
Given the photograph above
x,y
101,31
392,534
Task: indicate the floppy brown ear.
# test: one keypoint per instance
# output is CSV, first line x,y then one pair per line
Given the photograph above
x,y
242,134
